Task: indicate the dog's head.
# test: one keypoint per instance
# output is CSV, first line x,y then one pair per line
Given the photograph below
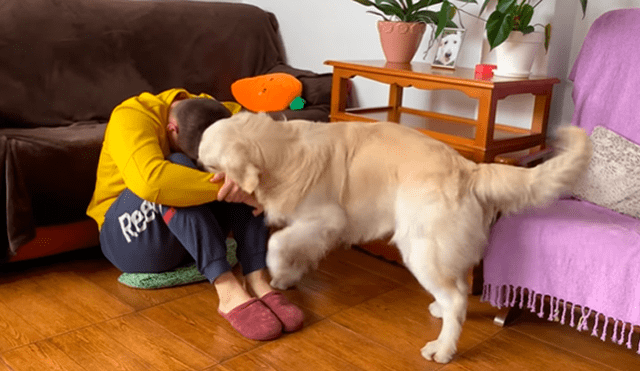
x,y
225,148
449,47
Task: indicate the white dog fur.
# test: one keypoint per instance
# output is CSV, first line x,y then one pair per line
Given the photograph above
x,y
345,183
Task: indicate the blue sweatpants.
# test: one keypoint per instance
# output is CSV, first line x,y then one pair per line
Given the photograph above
x,y
139,236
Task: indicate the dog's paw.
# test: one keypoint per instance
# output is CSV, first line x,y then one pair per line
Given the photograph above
x,y
283,278
435,309
435,351
280,284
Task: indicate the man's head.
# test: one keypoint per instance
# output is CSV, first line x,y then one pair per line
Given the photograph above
x,y
189,118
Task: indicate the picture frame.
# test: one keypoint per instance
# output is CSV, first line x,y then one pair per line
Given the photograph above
x,y
449,45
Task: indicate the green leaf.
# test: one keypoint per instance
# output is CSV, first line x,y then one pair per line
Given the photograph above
x,y
425,4
392,10
452,12
484,6
504,5
379,14
525,16
527,30
393,3
499,26
443,18
427,16
547,36
365,2
584,7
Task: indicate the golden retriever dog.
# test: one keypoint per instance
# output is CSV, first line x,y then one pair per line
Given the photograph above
x,y
345,183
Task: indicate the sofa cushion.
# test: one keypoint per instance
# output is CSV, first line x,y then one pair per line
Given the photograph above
x,y
82,62
612,179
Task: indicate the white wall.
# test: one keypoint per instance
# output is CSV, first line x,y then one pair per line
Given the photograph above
x,y
315,31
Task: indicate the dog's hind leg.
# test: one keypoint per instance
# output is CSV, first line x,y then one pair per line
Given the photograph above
x,y
449,291
453,305
436,310
293,250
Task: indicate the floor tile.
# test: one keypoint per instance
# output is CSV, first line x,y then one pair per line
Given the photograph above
x,y
154,344
95,350
400,320
510,350
195,320
39,356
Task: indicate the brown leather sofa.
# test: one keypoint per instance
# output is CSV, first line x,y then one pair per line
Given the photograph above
x,y
64,65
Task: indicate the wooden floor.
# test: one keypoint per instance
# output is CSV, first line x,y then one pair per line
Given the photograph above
x,y
362,314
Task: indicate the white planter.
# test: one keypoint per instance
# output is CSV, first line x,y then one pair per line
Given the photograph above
x,y
514,57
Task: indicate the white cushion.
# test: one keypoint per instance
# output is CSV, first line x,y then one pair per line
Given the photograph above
x,y
612,179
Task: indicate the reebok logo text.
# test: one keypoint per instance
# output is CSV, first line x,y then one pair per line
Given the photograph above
x,y
136,222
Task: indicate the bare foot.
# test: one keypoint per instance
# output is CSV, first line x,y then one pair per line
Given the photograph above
x,y
258,283
230,292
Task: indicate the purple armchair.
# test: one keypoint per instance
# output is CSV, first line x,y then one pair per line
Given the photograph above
x,y
576,262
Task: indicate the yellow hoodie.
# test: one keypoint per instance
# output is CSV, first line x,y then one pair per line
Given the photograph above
x,y
134,153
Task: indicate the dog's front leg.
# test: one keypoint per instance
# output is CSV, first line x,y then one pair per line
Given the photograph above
x,y
302,244
285,268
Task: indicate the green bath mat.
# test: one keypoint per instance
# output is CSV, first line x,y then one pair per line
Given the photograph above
x,y
179,276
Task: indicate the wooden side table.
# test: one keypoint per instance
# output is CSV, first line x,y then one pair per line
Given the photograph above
x,y
481,139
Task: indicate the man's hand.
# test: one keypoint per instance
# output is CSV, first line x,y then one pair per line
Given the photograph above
x,y
231,192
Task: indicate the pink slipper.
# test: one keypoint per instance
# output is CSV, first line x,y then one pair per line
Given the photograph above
x,y
254,320
289,314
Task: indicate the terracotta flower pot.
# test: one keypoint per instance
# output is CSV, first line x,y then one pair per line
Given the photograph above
x,y
400,40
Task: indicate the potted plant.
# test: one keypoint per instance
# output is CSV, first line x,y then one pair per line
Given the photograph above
x,y
508,27
510,32
404,23
512,15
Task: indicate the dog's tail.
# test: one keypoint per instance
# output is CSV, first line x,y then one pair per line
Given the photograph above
x,y
512,188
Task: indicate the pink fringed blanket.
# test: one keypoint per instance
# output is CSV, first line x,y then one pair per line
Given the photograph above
x,y
572,253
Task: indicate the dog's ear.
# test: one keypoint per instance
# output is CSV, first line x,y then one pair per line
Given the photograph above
x,y
250,179
241,169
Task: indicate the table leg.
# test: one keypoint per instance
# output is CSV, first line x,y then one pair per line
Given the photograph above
x,y
487,106
478,279
506,316
481,156
395,101
338,94
541,108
